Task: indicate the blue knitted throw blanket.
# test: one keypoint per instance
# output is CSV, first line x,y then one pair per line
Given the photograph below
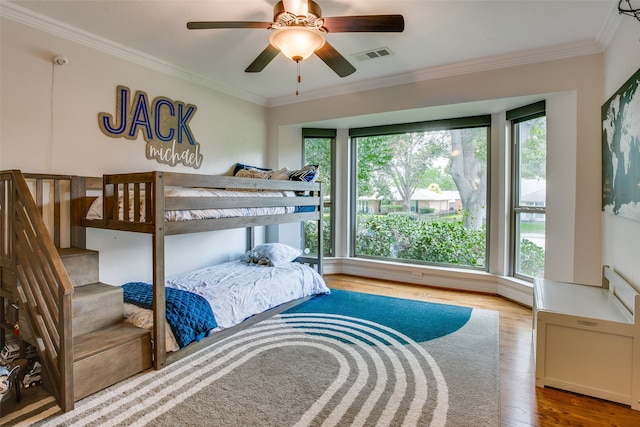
x,y
189,315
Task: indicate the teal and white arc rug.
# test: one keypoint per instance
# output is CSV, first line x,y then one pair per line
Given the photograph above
x,y
344,359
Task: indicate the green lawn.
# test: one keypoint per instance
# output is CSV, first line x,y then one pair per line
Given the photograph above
x,y
532,227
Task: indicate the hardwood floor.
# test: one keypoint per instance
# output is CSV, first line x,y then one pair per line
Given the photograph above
x,y
522,403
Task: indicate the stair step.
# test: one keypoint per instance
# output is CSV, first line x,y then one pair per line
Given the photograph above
x,y
95,306
108,356
82,265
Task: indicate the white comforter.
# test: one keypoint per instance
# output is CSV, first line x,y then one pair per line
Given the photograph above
x,y
237,290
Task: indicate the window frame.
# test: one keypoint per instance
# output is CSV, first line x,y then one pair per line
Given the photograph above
x,y
321,133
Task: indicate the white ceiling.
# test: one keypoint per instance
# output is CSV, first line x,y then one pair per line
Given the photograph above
x,y
438,36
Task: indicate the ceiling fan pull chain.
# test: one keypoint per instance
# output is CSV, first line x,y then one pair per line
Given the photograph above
x,y
298,82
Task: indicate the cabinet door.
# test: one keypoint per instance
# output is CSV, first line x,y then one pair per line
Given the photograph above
x,y
588,362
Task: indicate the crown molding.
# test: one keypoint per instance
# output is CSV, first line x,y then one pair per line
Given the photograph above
x,y
35,20
610,25
466,67
552,53
41,22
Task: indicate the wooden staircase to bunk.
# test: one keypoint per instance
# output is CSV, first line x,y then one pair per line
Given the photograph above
x,y
74,321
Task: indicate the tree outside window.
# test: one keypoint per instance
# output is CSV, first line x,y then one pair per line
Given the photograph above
x,y
422,194
318,150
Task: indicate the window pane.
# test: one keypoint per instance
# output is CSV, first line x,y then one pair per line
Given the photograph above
x,y
317,151
530,197
532,137
311,234
530,244
422,196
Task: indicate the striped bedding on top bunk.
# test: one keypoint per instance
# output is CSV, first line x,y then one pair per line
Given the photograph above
x,y
96,208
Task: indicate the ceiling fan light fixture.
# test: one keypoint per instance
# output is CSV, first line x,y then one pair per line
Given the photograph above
x,y
297,43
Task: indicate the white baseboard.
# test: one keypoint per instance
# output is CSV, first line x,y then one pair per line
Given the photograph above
x,y
515,290
449,278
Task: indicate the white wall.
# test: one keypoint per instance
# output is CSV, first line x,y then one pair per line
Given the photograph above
x,y
573,90
621,236
49,124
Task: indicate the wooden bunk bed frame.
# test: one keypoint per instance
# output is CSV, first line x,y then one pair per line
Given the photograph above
x,y
148,203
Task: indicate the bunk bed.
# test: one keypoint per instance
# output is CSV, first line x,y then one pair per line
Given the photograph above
x,y
166,203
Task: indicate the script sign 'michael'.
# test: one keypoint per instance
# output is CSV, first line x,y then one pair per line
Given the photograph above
x,y
164,125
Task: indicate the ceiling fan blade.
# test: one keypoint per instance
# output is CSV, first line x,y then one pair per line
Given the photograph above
x,y
365,23
334,60
262,60
210,25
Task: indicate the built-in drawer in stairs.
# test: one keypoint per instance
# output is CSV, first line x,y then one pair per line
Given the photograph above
x,y
108,356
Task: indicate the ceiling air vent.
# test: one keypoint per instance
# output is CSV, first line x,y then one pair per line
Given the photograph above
x,y
372,54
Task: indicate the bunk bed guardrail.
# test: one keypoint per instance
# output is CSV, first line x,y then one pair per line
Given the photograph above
x,y
146,200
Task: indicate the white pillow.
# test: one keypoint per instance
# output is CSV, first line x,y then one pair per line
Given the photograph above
x,y
254,173
272,254
281,174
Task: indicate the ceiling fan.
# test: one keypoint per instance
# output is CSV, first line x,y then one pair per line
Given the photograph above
x,y
299,30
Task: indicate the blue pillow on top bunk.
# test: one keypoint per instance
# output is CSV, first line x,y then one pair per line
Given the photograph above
x,y
309,173
189,315
307,208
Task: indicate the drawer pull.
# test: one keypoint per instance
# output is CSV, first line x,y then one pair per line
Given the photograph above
x,y
586,323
